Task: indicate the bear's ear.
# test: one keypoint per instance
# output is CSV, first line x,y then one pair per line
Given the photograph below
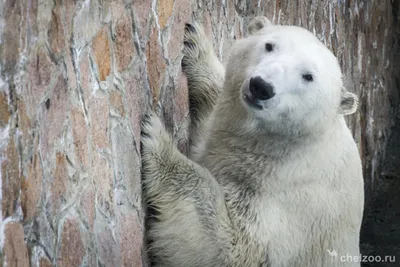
x,y
257,24
348,103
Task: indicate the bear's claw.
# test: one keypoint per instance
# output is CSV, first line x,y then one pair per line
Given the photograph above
x,y
195,46
189,44
151,127
144,129
154,138
146,125
190,28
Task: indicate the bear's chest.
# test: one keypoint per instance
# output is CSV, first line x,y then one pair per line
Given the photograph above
x,y
284,223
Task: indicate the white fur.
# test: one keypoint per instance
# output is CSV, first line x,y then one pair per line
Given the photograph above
x,y
275,187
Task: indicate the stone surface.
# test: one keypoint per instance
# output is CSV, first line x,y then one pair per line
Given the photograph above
x,y
72,248
88,205
15,251
56,31
45,263
101,53
80,136
131,254
40,73
155,65
99,111
85,74
10,32
76,78
31,188
10,180
164,11
59,183
4,110
117,104
53,115
142,11
124,46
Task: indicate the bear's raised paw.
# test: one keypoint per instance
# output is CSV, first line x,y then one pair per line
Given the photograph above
x,y
154,137
197,47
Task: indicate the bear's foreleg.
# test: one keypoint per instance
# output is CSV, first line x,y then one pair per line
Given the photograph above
x,y
205,76
190,224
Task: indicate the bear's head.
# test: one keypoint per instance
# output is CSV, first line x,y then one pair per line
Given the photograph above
x,y
286,79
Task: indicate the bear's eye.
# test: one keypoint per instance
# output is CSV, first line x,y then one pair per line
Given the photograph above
x,y
308,77
269,47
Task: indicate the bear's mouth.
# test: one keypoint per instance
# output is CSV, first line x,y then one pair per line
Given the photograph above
x,y
252,101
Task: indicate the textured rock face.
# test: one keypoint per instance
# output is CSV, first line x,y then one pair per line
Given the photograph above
x,y
77,76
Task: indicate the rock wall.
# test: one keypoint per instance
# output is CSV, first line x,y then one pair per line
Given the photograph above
x,y
77,76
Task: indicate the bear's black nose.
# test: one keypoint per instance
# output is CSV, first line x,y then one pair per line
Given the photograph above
x,y
261,89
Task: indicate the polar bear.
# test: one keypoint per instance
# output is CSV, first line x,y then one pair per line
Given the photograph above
x,y
275,177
